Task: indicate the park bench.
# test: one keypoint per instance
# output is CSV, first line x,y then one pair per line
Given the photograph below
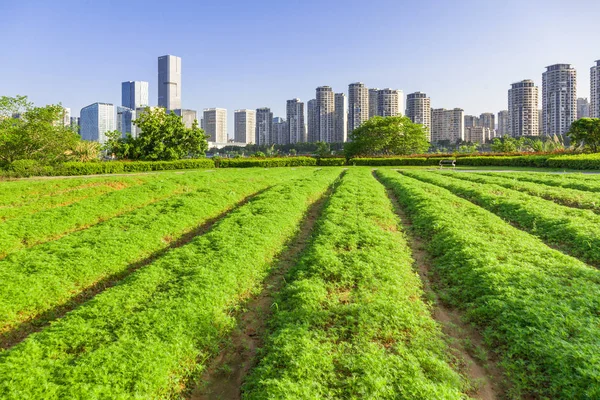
x,y
447,162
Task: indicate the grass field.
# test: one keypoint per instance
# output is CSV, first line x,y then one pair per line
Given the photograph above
x,y
301,283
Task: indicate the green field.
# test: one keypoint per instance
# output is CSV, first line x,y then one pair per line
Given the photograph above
x,y
301,283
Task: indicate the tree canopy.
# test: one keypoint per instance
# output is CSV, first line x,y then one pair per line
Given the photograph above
x,y
586,132
36,133
387,136
163,137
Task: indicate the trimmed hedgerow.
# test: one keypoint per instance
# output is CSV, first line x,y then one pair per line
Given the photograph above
x,y
351,322
331,161
579,161
537,307
146,336
266,162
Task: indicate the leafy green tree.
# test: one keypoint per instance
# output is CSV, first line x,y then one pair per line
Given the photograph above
x,y
504,145
323,149
35,134
586,132
387,136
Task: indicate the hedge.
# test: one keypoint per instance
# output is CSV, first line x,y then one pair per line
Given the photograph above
x,y
331,162
579,161
265,162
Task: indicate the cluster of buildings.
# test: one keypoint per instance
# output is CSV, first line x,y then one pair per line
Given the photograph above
x,y
331,116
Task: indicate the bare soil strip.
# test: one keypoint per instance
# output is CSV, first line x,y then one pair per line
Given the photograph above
x,y
465,342
15,336
225,375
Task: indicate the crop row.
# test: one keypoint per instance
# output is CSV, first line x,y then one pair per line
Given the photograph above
x,y
144,337
37,280
575,231
537,308
589,183
560,195
351,322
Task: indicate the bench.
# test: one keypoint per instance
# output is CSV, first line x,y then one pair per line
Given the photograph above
x,y
447,162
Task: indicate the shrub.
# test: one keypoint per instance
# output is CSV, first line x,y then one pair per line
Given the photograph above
x,y
579,161
331,161
267,162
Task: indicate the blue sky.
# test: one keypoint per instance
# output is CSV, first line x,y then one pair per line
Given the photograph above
x,y
240,54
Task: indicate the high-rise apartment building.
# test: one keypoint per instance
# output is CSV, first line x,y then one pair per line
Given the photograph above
x,y
503,124
390,102
264,126
325,114
583,108
245,126
540,126
471,120
134,94
125,118
295,121
595,90
341,118
559,99
523,109
65,118
169,82
447,125
187,116
311,117
418,109
488,120
215,124
280,131
478,134
97,119
358,105
373,102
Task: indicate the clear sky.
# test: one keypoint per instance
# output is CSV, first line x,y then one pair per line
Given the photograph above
x,y
249,54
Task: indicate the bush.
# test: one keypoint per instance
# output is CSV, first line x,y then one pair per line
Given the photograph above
x,y
27,168
385,161
579,161
331,162
115,167
267,162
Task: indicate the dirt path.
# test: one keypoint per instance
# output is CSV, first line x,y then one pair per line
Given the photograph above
x,y
225,375
464,341
13,337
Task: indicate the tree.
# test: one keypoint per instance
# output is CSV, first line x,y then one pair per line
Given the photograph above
x,y
163,136
387,136
323,149
505,145
586,132
35,133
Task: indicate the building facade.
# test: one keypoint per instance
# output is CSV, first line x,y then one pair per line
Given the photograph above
x,y
390,102
523,109
341,118
264,126
559,99
280,131
215,124
125,118
325,115
447,125
134,94
503,127
358,105
479,134
311,117
373,102
471,120
583,108
245,126
295,120
418,109
595,90
169,82
488,120
97,119
188,116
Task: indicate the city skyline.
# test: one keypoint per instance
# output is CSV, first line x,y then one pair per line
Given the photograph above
x,y
476,85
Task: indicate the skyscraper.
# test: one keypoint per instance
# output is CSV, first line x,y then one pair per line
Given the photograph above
x,y
523,109
341,118
97,119
471,120
169,82
280,131
358,105
488,120
295,120
325,115
311,117
595,90
215,124
187,116
583,108
245,126
264,126
373,102
389,102
125,118
447,125
559,98
418,109
134,94
503,126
